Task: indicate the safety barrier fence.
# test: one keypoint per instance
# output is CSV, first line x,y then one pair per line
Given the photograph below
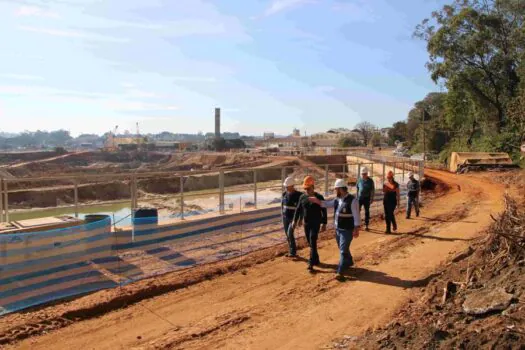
x,y
44,266
181,195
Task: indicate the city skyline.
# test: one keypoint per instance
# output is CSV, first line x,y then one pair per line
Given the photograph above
x,y
85,66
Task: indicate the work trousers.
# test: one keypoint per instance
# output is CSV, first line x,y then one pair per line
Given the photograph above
x,y
390,218
311,231
289,232
365,202
344,238
412,201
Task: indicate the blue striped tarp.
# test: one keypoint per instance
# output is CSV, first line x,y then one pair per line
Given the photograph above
x,y
46,266
39,267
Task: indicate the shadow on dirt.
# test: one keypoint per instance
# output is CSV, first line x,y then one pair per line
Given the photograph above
x,y
366,275
419,234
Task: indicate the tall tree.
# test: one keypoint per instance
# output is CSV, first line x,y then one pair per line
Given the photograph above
x,y
398,132
366,129
348,141
477,46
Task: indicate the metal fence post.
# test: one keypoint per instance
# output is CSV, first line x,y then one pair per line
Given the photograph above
x,y
326,180
136,189
76,198
181,197
133,192
6,202
1,200
221,191
403,165
421,165
394,170
283,177
344,171
384,173
255,188
358,171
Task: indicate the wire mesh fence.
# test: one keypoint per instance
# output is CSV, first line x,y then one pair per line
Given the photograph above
x,y
199,218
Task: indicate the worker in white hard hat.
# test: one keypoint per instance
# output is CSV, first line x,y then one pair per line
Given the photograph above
x,y
413,188
289,202
365,193
347,223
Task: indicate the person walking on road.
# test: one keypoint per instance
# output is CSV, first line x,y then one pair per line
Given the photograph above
x,y
315,219
413,188
390,201
365,194
289,202
347,223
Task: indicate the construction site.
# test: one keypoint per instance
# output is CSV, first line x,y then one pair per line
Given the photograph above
x,y
269,174
203,265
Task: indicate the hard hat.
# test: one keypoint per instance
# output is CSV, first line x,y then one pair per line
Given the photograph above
x,y
364,170
390,174
289,181
340,183
308,182
410,174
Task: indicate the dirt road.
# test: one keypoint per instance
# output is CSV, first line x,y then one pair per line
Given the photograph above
x,y
278,304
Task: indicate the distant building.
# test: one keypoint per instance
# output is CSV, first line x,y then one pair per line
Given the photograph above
x,y
268,135
87,145
296,133
384,132
332,137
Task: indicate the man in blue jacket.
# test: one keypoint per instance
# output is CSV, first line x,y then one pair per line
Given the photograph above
x,y
413,188
347,223
365,194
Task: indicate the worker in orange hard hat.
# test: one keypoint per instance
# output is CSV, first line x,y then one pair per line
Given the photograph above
x,y
315,219
391,199
308,182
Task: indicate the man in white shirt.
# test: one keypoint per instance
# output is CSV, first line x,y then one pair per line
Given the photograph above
x,y
347,223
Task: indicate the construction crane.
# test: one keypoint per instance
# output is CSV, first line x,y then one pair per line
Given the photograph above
x,y
111,142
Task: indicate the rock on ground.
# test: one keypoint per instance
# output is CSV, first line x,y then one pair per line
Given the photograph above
x,y
484,301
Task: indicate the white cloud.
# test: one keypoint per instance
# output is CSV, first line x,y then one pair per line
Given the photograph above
x,y
357,11
196,79
137,93
123,105
21,77
116,102
22,56
72,34
35,11
231,110
326,88
283,5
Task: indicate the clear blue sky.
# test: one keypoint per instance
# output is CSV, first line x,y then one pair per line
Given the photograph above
x,y
271,65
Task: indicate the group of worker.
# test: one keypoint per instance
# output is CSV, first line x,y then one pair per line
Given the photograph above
x,y
309,209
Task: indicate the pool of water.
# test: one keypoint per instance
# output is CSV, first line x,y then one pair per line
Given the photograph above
x,y
121,213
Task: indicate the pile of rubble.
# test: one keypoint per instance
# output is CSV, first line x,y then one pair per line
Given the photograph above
x,y
476,302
